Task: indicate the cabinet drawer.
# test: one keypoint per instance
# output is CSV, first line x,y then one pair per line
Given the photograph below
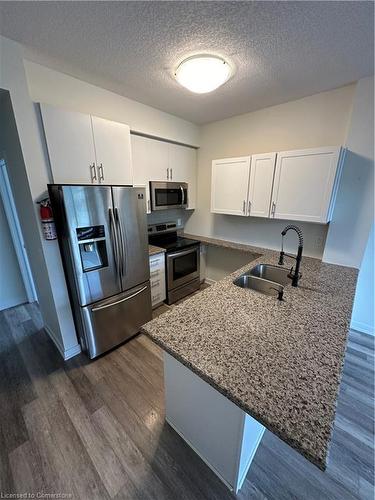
x,y
156,273
156,284
157,261
157,278
156,298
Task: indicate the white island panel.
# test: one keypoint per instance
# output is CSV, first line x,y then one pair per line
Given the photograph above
x,y
222,434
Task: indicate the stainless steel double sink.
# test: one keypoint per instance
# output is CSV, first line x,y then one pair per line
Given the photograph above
x,y
266,279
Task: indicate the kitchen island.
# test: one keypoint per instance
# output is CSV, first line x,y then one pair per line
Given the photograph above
x,y
246,361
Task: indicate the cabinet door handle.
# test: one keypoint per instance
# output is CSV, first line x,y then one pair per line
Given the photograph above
x,y
101,172
167,174
244,206
273,209
171,174
249,208
148,206
94,177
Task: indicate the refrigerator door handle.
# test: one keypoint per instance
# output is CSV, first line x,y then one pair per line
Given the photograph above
x,y
121,244
119,301
112,225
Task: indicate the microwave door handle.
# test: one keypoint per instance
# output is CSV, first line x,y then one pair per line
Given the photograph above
x,y
182,195
114,241
121,244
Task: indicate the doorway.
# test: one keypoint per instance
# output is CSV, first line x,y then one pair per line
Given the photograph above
x,y
16,284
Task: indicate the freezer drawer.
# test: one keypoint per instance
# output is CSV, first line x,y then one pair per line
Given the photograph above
x,y
109,322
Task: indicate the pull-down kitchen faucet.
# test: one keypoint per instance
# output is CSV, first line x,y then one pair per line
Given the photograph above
x,y
296,274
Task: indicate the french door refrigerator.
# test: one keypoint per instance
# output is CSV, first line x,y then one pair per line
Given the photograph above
x,y
102,232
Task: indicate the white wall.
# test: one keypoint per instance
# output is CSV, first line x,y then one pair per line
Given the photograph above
x,y
12,290
354,209
28,175
318,120
364,302
29,172
52,87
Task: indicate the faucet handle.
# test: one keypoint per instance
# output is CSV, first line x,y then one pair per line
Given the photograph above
x,y
280,292
292,273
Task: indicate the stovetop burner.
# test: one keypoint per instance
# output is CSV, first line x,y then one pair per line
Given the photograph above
x,y
171,242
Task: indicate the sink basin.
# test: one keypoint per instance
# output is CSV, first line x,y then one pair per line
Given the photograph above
x,y
259,285
271,273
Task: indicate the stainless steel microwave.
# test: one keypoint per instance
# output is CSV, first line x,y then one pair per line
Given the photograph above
x,y
166,195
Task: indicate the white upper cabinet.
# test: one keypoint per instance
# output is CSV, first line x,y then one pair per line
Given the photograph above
x,y
159,161
229,186
112,151
305,184
86,149
142,157
183,168
291,185
70,145
261,180
155,160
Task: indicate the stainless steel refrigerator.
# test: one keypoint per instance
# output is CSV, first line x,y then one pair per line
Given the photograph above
x,y
102,232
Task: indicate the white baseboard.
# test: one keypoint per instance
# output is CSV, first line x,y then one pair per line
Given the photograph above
x,y
174,427
72,351
65,353
7,304
362,327
209,281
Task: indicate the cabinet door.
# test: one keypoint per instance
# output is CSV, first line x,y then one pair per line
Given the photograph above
x,y
304,183
261,180
229,186
159,160
150,163
112,150
183,168
70,145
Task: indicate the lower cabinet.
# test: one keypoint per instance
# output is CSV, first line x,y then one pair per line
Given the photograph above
x,y
157,278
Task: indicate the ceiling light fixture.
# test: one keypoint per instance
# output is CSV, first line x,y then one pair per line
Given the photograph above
x,y
203,73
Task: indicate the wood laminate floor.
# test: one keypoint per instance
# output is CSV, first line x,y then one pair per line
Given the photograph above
x,y
96,430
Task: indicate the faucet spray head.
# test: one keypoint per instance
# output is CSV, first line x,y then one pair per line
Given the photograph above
x,y
281,258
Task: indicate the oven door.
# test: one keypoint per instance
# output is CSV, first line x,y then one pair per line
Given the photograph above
x,y
182,266
166,195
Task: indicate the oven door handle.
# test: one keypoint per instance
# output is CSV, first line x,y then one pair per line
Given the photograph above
x,y
178,253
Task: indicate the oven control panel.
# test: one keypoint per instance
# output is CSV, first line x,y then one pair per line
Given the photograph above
x,y
163,227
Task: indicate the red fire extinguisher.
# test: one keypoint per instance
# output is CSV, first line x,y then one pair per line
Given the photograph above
x,y
48,224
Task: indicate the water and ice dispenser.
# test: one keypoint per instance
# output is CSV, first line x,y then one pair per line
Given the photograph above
x,y
92,247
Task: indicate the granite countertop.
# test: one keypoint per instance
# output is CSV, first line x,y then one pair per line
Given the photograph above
x,y
280,362
243,247
153,250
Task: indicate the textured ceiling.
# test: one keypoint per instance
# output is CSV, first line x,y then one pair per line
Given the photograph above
x,y
282,50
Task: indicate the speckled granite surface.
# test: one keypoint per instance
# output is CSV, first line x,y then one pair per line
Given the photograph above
x,y
153,250
280,362
225,244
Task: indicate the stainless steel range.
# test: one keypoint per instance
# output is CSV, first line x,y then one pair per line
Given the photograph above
x,y
181,260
